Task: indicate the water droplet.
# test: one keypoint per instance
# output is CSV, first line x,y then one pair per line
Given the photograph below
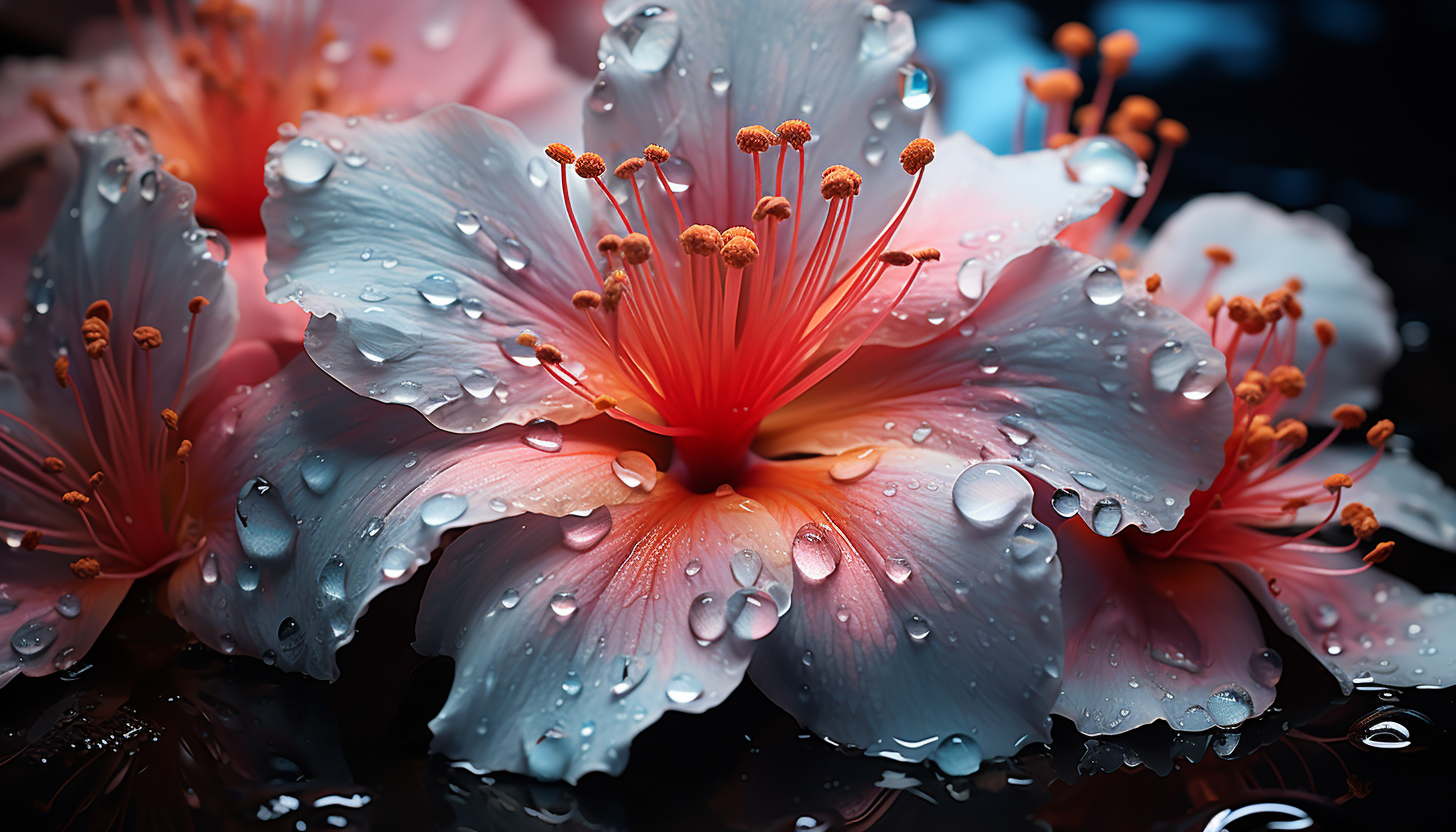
x,y
265,528
679,174
706,618
319,472
583,533
917,87
842,614
719,82
880,115
989,495
510,598
269,658
374,527
693,567
815,551
147,186
226,643
1266,666
1170,364
1066,502
1196,718
438,290
290,636
537,172
1326,616
378,339
68,605
477,381
396,561
920,434
441,26
884,32
1087,479
1103,286
543,435
467,221
874,149
745,565
111,180
33,638
473,308
957,755
917,628
443,508
512,254
1331,644
1103,160
1230,705
897,568
209,569
990,362
632,670
549,757
808,658
331,577
563,604
1032,548
305,162
1388,729
752,613
684,688
571,685
247,576
355,159
1106,516
636,470
650,37
372,294
854,465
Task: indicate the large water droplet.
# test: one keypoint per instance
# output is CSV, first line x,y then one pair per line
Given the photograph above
x,y
543,435
147,186
111,180
305,162
752,613
679,174
510,598
815,551
1169,363
396,561
563,604
719,82
1200,380
378,338
898,569
1066,502
1087,479
650,37
917,87
1326,616
265,528
467,221
512,254
571,685
1106,516
1103,286
1103,160
477,381
319,472
549,757
917,628
707,619
1032,548
630,672
684,688
68,605
636,470
209,569
1266,666
332,575
438,290
854,465
1230,705
745,565
583,533
989,495
33,637
443,508
884,32
957,755
248,575
290,637
537,172
990,362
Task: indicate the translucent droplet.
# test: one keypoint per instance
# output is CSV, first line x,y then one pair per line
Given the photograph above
x,y
1385,730
549,757
884,32
319,472
782,595
265,528
957,755
1326,616
467,221
683,688
226,643
874,149
478,382
1087,479
1106,516
917,628
990,362
247,576
269,658
68,605
1331,644
372,294
473,308
209,568
898,569
1032,548
920,434
396,561
441,26
571,685
1230,705
719,82
1196,718
438,290
537,172
631,671
147,186
693,567
1266,666
707,620
880,116
331,577
1200,380
679,174
378,338
854,465
989,495
636,470
510,598
917,87
543,435
1066,502
512,254
1103,286
650,37
563,604
355,158
583,533
305,162
33,637
1169,363
443,508
111,180
815,551
290,636
745,565
752,613
1103,160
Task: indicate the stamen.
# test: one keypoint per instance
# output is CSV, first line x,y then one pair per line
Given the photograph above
x,y
1349,416
1153,283
1379,553
169,418
86,568
1075,41
52,465
1334,482
30,540
1379,432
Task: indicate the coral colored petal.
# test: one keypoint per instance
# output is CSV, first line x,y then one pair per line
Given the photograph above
x,y
689,78
353,498
456,241
1148,640
567,644
938,634
258,319
49,617
1099,396
1367,627
1270,246
981,211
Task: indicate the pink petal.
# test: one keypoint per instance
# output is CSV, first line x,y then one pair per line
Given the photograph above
x,y
567,645
282,324
1119,399
1147,640
49,617
935,632
23,230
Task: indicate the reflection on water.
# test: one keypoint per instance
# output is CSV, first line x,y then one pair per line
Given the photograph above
x,y
154,733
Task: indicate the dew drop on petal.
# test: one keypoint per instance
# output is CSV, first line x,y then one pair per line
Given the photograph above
x,y
1103,286
1169,364
549,757
510,598
917,87
693,567
1103,160
897,568
571,685
331,577
1066,502
815,551
1087,479
630,672
1230,705
1196,718
636,470
438,290
543,435
478,382
563,604
719,82
111,181
706,618
1266,666
745,565
537,172
305,162
971,279
1326,616
917,628
147,186
584,533
513,254
1106,516
467,221
684,688
209,569
396,561
443,508
226,643
989,495
854,465
68,605
33,637
247,576
319,472
650,37
752,613
265,528
957,755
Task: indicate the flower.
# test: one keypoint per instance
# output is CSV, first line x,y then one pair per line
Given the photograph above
x,y
766,398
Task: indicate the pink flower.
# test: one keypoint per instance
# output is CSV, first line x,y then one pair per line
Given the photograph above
x,y
736,419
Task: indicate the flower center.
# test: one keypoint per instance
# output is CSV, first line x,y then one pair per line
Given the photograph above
x,y
737,326
126,529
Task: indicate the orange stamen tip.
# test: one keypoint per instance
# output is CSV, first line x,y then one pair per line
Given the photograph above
x,y
1059,140
1349,416
147,337
795,133
1354,511
702,240
381,53
30,540
1250,394
97,348
756,139
1056,86
656,154
184,450
1140,112
1171,132
169,418
636,248
1294,284
609,242
1326,332
604,402
1213,305
1153,283
590,166
100,309
1219,255
739,231
1334,482
1137,142
560,153
86,568
916,155
1379,432
896,258
839,182
1247,314
95,481
52,465
613,288
1292,432
929,253
62,370
75,499
197,304
548,354
527,339
586,299
1380,552
630,167
771,206
1121,45
1289,381
1075,40
739,252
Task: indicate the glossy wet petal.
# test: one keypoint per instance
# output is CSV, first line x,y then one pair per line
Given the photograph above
x,y
1065,369
445,242
48,616
1148,640
23,230
936,631
565,650
1270,246
1367,627
318,500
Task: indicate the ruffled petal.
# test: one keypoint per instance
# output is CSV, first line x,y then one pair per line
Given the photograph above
x,y
126,234
1366,627
1147,640
690,76
1065,369
571,636
48,616
444,242
1270,246
981,211
317,500
925,621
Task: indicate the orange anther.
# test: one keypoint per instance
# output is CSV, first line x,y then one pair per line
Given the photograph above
x,y
1381,551
656,154
636,248
1153,283
184,450
197,304
1074,40
1219,255
1213,305
95,481
739,231
560,153
1058,140
702,240
1289,381
527,339
86,568
1379,432
739,252
1326,332
147,337
609,242
794,133
548,354
1056,86
75,499
613,288
52,465
100,309
756,139
381,54
771,206
839,182
1354,511
628,168
1294,284
916,155
169,418
1250,394
62,369
1334,482
1349,416
1086,116
604,402
30,540
590,166
586,299
896,258
1121,46
1136,142
1139,112
1172,132
1244,312
1292,432
927,253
